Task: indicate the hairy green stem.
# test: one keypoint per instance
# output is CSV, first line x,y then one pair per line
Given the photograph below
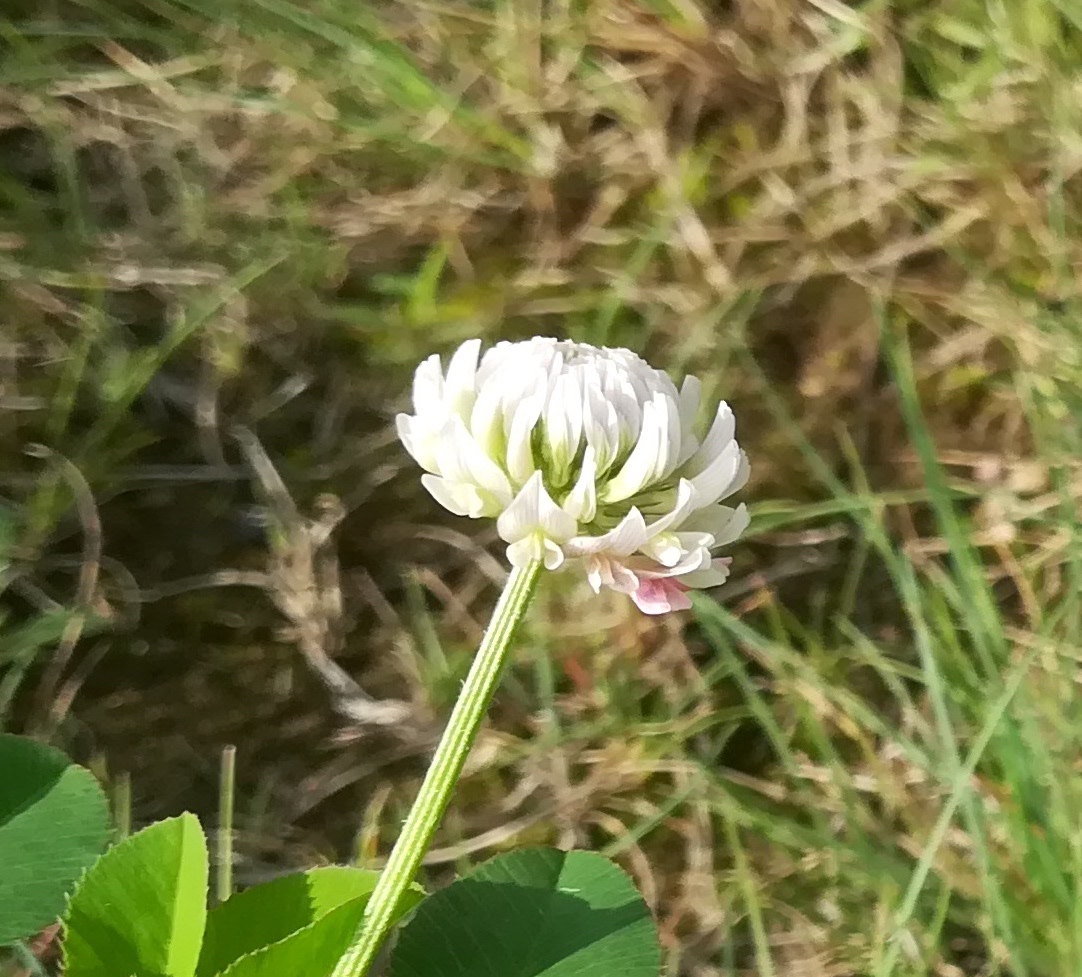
x,y
443,773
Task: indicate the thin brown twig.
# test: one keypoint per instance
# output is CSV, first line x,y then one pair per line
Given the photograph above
x,y
303,582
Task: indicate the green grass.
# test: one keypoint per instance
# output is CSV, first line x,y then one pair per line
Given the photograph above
x,y
856,222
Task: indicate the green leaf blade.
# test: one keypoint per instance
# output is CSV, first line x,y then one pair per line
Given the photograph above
x,y
310,952
536,912
141,908
268,913
54,821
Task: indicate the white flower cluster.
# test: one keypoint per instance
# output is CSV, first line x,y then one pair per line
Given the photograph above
x,y
582,454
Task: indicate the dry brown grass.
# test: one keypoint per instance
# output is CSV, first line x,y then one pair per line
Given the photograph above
x,y
259,221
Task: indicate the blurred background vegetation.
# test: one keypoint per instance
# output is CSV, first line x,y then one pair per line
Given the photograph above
x,y
229,229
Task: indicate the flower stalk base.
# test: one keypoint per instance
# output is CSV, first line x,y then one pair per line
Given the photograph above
x,y
443,773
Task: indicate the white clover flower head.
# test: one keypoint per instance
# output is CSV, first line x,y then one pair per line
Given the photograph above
x,y
584,456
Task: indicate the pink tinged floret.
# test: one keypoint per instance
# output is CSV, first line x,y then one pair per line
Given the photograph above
x,y
660,595
604,572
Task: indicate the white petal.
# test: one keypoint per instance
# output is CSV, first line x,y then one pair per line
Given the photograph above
x,y
553,556
555,368
696,554
601,571
669,449
713,519
717,439
690,560
666,549
533,510
734,528
593,574
623,540
520,459
622,579
461,498
722,430
556,524
679,552
685,505
404,423
629,411
690,541
629,535
486,420
690,395
428,386
581,502
525,551
422,437
601,428
450,459
713,576
459,390
523,516
639,467
482,469
717,480
743,473
563,419
535,546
